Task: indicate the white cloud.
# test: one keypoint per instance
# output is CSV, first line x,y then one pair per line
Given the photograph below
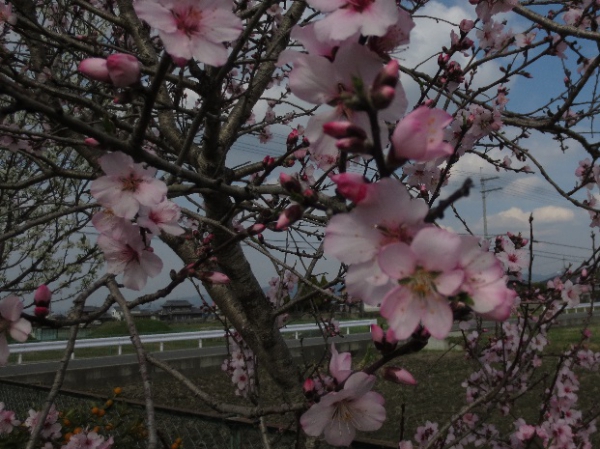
x,y
515,216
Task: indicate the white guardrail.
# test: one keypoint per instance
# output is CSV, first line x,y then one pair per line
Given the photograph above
x,y
585,307
21,348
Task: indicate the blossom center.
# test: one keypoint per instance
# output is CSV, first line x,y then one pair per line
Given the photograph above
x,y
360,5
130,183
188,20
421,283
342,412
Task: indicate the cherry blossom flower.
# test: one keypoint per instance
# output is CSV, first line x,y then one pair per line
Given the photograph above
x,y
514,260
484,282
51,428
7,420
346,18
487,8
338,415
428,274
420,135
571,293
127,185
162,217
11,322
340,365
396,35
192,28
125,252
386,214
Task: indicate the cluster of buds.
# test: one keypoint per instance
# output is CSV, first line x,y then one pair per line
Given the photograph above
x,y
240,366
385,342
350,137
383,89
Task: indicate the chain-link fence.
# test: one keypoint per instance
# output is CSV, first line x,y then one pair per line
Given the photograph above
x,y
196,430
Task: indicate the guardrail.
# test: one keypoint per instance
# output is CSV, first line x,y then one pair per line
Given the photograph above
x,y
585,307
119,342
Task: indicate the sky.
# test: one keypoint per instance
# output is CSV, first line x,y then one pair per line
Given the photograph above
x,y
561,231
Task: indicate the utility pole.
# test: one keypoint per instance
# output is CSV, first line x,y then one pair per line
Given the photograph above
x,y
484,193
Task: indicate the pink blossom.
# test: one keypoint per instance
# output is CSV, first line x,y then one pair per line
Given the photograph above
x,y
340,365
125,252
192,28
487,8
386,214
214,277
88,440
428,274
514,260
127,185
162,217
346,18
420,135
396,35
51,428
318,80
11,322
571,293
7,420
339,414
484,283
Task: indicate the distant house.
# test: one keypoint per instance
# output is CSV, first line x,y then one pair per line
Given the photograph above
x,y
91,310
180,310
116,313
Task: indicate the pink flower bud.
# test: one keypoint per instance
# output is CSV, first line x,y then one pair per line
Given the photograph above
x,y
95,68
383,97
340,130
398,375
289,216
352,145
466,25
351,185
41,312
91,142
214,277
255,229
292,138
308,386
123,69
289,183
388,76
42,296
377,333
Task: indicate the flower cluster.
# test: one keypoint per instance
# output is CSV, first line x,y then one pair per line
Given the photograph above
x,y
130,191
415,271
240,365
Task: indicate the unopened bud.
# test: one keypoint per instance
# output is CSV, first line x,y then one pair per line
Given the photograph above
x,y
214,277
91,142
351,185
466,25
290,183
42,296
41,312
388,75
383,97
255,229
340,130
352,145
398,375
289,216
